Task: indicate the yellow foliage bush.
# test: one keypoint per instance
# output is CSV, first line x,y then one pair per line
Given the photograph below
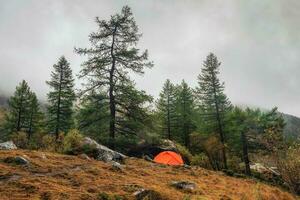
x,y
48,143
72,142
289,168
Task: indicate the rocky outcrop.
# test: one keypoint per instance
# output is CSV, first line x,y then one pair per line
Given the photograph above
x,y
9,145
151,150
103,153
260,168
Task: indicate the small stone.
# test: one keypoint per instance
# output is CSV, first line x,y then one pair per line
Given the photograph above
x,y
19,160
148,158
116,166
144,194
184,185
84,156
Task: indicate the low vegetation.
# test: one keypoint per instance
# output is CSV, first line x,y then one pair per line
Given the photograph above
x,y
57,176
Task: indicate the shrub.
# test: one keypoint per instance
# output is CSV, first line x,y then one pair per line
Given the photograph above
x,y
48,143
20,139
201,160
213,149
289,168
185,153
234,163
72,142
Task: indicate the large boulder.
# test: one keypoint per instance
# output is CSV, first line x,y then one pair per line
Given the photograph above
x,y
101,152
9,145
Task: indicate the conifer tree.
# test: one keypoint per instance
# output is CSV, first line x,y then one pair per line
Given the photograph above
x,y
93,115
186,111
16,119
212,100
60,98
112,55
166,106
24,112
35,116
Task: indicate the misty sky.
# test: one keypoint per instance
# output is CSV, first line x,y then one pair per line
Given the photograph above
x,y
257,41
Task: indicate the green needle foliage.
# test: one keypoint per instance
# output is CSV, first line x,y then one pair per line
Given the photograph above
x,y
24,112
212,100
60,98
167,112
186,111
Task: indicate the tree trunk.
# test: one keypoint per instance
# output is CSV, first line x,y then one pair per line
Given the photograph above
x,y
245,153
168,118
58,107
19,114
30,126
112,103
222,138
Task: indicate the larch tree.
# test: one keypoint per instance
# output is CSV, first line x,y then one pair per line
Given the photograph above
x,y
112,55
60,98
212,99
166,106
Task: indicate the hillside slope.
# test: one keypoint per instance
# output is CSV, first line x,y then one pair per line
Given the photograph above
x,y
292,127
55,176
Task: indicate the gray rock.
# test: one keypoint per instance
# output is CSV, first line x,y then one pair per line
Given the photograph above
x,y
84,156
18,160
184,185
262,169
104,153
148,158
116,166
144,194
168,145
9,145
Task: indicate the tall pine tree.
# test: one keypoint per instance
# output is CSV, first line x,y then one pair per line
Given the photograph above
x,y
112,55
166,106
61,98
212,100
186,112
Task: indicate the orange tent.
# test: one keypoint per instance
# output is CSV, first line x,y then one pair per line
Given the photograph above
x,y
168,158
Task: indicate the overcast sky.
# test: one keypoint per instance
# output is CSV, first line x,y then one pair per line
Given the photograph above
x,y
257,41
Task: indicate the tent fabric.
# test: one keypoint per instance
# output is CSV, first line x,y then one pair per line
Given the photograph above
x,y
169,158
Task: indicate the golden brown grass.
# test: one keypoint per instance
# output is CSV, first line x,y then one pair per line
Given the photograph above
x,y
70,177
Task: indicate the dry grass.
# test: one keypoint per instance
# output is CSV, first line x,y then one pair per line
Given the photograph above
x,y
70,177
